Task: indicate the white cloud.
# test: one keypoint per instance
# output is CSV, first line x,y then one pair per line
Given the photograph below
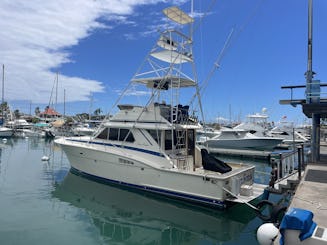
x,y
35,36
133,92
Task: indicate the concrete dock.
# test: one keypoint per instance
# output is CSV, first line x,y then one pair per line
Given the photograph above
x,y
311,193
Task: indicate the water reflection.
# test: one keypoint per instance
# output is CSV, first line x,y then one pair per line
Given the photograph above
x,y
123,216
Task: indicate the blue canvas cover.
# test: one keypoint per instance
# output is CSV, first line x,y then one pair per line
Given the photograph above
x,y
298,219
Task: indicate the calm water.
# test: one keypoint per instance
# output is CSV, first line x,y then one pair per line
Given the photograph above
x,y
44,203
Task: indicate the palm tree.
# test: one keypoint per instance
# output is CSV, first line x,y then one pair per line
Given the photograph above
x,y
97,112
17,113
4,106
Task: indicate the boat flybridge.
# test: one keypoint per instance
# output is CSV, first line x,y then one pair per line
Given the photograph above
x,y
152,147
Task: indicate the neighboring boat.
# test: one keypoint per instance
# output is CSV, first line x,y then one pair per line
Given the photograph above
x,y
30,133
6,132
241,139
289,133
83,130
152,147
256,124
205,133
19,124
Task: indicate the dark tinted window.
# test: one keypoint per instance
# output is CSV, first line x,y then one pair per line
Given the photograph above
x,y
155,135
169,140
130,137
113,133
126,135
103,134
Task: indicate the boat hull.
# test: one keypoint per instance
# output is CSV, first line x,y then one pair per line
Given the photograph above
x,y
250,144
198,186
6,132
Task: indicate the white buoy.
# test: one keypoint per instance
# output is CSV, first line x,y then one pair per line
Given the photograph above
x,y
267,233
45,158
4,140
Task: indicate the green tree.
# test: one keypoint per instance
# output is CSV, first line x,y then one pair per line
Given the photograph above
x,y
17,113
97,112
35,120
4,107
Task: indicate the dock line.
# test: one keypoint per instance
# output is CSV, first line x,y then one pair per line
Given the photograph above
x,y
245,202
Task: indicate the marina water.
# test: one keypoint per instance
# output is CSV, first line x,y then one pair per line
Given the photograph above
x,y
43,202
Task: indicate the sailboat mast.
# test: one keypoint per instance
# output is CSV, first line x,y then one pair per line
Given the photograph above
x,y
64,103
56,92
3,83
3,94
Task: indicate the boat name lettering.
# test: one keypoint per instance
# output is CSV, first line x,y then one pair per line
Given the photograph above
x,y
124,161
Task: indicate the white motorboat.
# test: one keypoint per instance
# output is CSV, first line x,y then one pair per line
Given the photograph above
x,y
152,147
83,130
289,133
6,132
205,133
241,139
19,124
256,124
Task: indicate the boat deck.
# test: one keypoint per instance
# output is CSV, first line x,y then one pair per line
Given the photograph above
x,y
254,154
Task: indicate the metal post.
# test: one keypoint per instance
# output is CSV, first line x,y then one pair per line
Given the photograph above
x,y
299,167
302,151
309,72
315,138
280,167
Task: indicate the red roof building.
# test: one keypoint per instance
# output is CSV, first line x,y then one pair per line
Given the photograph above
x,y
49,112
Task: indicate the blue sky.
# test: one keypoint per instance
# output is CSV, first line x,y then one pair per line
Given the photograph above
x,y
97,46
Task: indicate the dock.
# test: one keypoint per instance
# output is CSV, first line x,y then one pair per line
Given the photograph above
x,y
311,191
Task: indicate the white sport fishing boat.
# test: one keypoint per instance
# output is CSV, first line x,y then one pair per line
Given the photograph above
x,y
152,147
241,140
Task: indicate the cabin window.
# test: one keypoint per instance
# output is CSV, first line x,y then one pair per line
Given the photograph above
x,y
116,134
191,142
126,135
169,139
113,133
155,134
103,134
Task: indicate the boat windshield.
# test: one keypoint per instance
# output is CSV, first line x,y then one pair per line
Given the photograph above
x,y
117,134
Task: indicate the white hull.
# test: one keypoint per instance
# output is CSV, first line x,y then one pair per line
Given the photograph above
x,y
30,133
134,169
6,132
263,143
79,131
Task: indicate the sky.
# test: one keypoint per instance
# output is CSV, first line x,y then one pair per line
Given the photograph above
x,y
94,47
